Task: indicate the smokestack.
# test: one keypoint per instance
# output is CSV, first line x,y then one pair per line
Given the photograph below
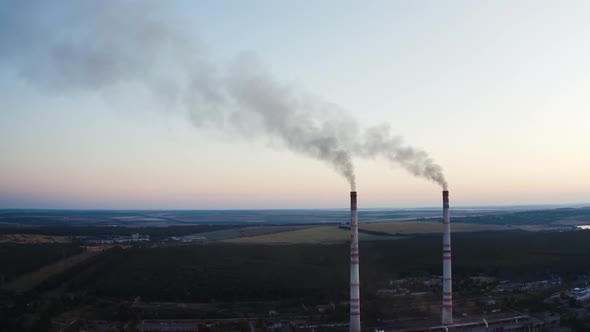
x,y
447,298
355,298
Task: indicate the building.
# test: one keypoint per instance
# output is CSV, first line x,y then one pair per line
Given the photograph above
x,y
136,237
94,241
490,323
101,240
580,294
168,325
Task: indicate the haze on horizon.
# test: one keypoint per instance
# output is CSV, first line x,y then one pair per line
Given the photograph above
x,y
494,92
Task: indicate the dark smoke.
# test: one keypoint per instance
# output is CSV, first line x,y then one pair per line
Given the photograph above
x,y
378,141
104,45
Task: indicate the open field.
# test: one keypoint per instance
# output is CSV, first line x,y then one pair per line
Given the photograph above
x,y
335,234
420,227
30,280
32,238
232,233
313,235
560,216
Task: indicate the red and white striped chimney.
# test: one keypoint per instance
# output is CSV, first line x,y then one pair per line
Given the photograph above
x,y
355,298
447,298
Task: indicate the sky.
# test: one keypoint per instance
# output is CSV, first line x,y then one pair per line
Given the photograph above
x,y
261,104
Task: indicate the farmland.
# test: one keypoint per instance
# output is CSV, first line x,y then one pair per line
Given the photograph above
x,y
240,232
313,235
367,232
420,227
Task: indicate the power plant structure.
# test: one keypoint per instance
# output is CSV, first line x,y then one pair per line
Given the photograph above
x,y
447,294
355,301
355,298
501,321
504,321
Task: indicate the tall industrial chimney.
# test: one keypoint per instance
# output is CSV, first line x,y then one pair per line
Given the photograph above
x,y
355,298
447,298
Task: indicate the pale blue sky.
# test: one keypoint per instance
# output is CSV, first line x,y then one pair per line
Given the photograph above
x,y
495,91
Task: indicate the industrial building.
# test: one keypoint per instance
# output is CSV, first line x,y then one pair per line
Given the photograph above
x,y
168,325
580,294
99,240
500,322
493,322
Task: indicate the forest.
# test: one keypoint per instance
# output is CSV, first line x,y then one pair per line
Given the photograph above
x,y
253,272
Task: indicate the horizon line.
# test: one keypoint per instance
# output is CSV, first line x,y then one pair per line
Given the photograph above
x,y
531,206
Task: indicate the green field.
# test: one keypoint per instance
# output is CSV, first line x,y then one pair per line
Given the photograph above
x,y
240,232
310,235
421,227
367,232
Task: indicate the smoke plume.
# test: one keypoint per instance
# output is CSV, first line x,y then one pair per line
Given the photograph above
x,y
107,45
378,141
303,124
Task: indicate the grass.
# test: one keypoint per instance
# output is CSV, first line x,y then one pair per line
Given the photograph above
x,y
334,234
421,227
240,232
313,235
28,281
